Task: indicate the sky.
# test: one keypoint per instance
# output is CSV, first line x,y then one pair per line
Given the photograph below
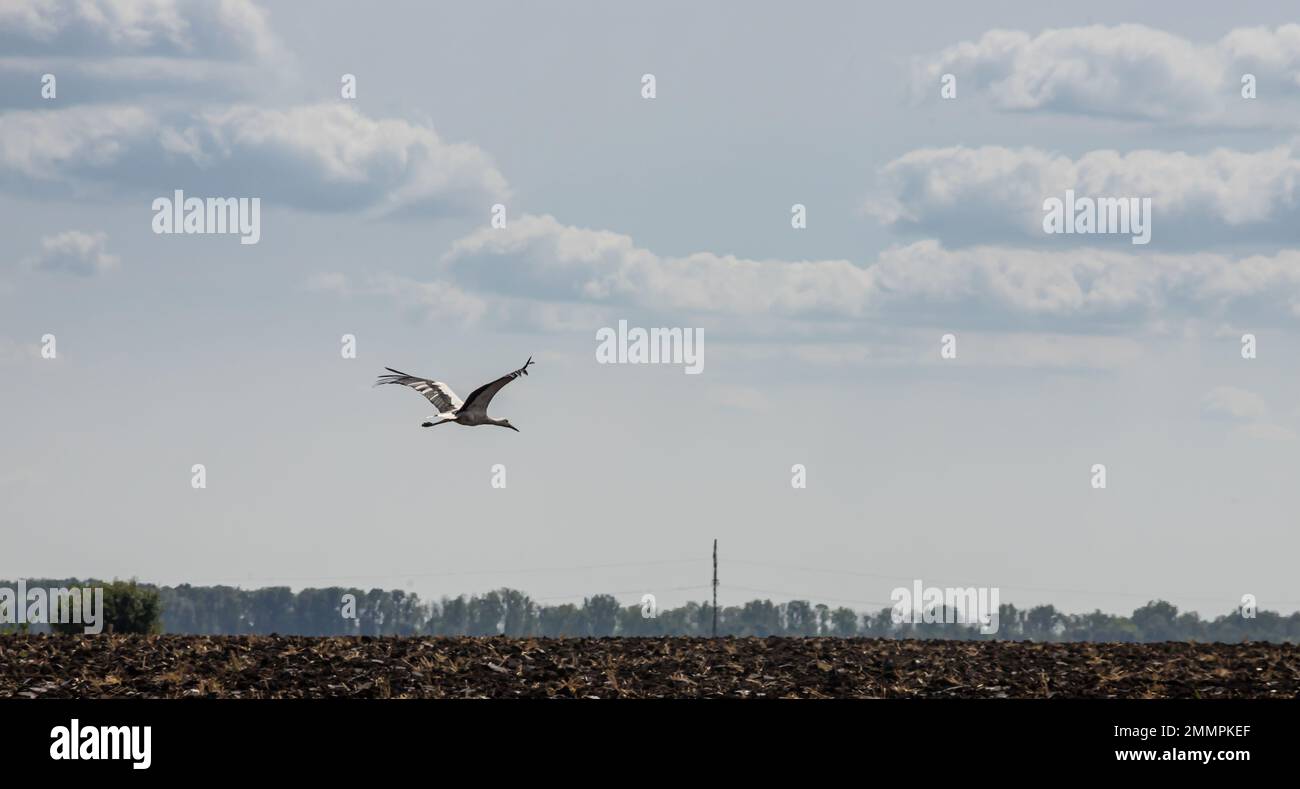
x,y
822,344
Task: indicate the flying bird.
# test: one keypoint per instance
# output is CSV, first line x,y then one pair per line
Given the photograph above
x,y
472,411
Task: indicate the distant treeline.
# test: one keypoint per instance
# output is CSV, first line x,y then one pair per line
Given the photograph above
x,y
226,610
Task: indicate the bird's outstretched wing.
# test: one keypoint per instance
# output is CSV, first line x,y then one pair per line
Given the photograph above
x,y
437,393
479,398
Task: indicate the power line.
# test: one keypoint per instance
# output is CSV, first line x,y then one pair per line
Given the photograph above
x,y
808,597
452,573
615,594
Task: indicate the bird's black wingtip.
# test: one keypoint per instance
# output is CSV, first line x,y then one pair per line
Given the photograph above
x,y
390,379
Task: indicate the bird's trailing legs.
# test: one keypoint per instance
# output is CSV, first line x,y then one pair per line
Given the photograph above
x,y
439,422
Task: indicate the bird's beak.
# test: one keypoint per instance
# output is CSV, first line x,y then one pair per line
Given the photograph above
x,y
512,427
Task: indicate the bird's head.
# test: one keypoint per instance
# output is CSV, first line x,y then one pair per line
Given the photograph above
x,y
506,423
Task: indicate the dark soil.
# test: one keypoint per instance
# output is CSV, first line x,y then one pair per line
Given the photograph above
x,y
302,667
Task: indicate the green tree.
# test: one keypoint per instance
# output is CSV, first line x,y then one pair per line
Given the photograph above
x,y
601,614
1155,621
800,619
486,614
520,617
844,623
129,607
1040,623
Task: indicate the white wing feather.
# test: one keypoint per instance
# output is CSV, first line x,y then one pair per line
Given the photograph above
x,y
435,392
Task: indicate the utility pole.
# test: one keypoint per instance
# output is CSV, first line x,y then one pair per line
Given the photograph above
x,y
715,587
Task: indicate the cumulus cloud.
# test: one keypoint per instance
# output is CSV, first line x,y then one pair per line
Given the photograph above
x,y
538,256
1124,71
992,193
175,28
1097,287
74,252
62,145
110,47
922,283
324,157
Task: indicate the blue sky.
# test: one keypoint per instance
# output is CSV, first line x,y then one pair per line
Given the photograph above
x,y
822,344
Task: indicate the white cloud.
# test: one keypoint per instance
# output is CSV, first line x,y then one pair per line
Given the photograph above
x,y
58,146
146,27
100,48
75,252
330,282
538,256
922,283
443,300
324,157
435,300
1234,405
389,164
1126,71
1247,412
431,300
994,193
